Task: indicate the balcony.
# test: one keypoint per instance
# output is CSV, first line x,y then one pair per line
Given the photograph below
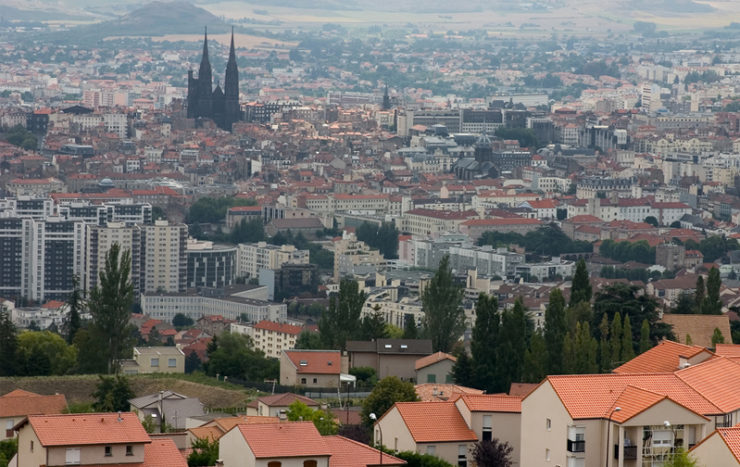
x,y
576,446
630,452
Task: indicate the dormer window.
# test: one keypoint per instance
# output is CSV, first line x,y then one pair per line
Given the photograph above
x,y
303,363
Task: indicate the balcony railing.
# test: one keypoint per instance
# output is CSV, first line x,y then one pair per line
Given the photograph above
x,y
630,452
576,446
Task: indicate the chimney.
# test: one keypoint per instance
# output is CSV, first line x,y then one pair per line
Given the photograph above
x,y
120,419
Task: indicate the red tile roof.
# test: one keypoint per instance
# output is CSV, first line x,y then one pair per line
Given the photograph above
x,y
663,358
429,392
285,399
447,426
728,350
278,327
89,428
296,439
321,362
717,380
731,438
163,452
21,403
492,403
432,359
508,221
348,453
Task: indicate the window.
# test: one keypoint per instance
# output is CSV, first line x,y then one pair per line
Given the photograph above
x,y
431,450
448,379
576,439
431,378
171,363
303,380
462,455
547,455
274,464
129,450
31,446
73,456
315,381
108,451
487,433
548,424
155,362
309,463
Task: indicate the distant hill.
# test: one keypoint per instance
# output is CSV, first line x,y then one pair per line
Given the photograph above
x,y
12,13
154,19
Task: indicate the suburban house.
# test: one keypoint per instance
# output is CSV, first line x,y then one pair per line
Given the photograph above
x,y
493,416
167,407
216,428
16,405
722,447
295,444
162,359
276,405
311,368
671,396
389,357
436,428
93,439
434,368
700,328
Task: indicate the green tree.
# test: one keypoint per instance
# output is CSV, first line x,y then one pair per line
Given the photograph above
x,y
689,340
251,231
462,370
684,303
192,363
75,307
580,290
8,449
605,353
699,294
535,359
645,344
232,355
308,340
484,343
110,306
717,337
204,452
628,346
712,304
8,344
324,422
512,346
580,312
112,394
341,321
181,321
414,459
373,326
444,320
410,331
586,350
616,340
387,392
680,458
556,327
43,353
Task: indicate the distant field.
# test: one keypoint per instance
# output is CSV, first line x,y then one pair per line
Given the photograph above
x,y
78,388
240,40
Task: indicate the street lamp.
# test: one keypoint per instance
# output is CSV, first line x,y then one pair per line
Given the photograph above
x,y
609,432
374,418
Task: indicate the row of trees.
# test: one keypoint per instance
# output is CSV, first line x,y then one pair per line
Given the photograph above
x,y
547,240
625,251
704,300
382,237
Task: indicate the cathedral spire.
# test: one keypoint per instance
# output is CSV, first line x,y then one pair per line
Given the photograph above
x,y
232,53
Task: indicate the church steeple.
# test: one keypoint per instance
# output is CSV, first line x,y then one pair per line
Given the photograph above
x,y
205,82
231,87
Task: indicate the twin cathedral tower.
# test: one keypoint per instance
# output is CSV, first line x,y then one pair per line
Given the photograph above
x,y
222,106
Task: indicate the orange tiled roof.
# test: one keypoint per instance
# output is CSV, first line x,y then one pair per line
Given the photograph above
x,y
207,432
348,453
663,358
89,428
163,452
594,396
429,392
728,350
717,380
228,423
21,403
448,424
731,437
633,401
492,403
294,439
433,358
283,328
325,362
285,399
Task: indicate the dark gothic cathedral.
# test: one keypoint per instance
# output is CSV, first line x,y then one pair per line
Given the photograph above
x,y
222,106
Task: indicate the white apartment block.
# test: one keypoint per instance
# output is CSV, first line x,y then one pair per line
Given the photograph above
x,y
164,259
269,337
100,240
166,306
253,257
